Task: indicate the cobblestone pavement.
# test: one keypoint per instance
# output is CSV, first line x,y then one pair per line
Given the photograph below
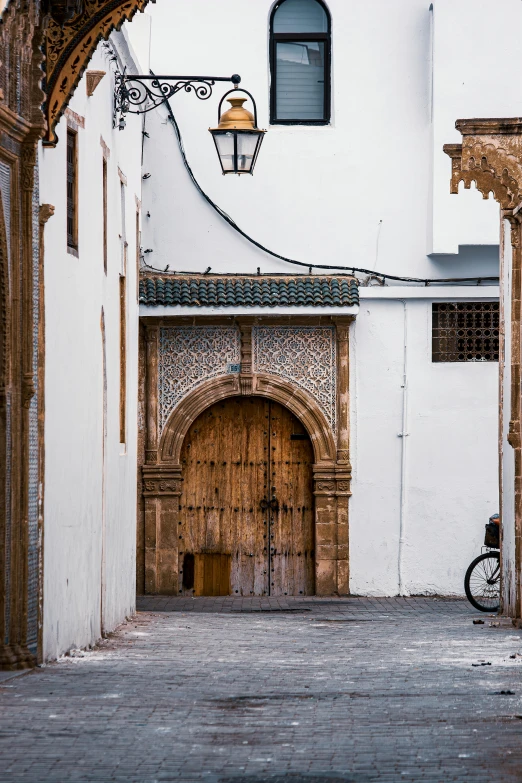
x,y
230,690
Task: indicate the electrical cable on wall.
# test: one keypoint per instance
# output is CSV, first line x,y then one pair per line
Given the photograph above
x,y
373,275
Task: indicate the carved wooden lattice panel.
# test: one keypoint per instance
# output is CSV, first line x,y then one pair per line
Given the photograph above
x,y
190,355
303,355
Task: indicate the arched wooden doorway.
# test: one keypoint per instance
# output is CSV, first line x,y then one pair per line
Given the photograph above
x,y
246,521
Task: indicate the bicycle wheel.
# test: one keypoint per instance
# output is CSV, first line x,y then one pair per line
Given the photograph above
x,y
482,582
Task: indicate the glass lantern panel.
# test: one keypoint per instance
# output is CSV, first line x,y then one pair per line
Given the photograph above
x,y
225,147
300,80
300,16
246,150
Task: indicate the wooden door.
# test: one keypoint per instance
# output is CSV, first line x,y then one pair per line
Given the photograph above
x,y
211,574
291,515
247,497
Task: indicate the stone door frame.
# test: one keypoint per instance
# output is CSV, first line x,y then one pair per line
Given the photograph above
x,y
161,469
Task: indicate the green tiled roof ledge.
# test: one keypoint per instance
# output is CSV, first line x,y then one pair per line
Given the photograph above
x,y
256,291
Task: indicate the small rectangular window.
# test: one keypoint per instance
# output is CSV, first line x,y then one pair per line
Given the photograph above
x,y
72,190
123,359
465,332
123,322
138,242
104,186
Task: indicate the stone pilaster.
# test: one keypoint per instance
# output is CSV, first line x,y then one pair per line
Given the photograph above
x,y
151,447
161,492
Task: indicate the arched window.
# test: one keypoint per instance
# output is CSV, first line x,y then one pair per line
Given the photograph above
x,y
300,40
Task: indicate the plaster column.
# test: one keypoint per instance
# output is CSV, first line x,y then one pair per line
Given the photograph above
x,y
46,211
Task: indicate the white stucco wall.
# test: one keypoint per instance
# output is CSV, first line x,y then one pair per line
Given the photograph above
x,y
450,477
371,190
90,497
471,78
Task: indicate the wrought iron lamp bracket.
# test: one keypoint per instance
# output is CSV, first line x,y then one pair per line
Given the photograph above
x,y
139,93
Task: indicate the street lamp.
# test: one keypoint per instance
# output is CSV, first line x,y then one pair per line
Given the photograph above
x,y
237,137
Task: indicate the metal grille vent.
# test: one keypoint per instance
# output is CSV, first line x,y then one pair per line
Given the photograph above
x,y
465,332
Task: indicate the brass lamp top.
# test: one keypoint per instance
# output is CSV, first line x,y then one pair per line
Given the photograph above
x,y
236,117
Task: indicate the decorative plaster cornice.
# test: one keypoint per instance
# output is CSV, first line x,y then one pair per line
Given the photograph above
x,y
491,157
45,212
69,47
93,80
490,126
74,120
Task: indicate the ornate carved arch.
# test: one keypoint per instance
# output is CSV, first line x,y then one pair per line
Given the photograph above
x,y
162,482
70,45
297,401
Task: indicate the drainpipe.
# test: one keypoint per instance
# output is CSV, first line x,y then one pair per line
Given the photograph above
x,y
403,435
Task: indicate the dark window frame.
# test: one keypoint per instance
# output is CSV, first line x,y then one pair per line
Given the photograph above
x,y
123,316
325,38
72,191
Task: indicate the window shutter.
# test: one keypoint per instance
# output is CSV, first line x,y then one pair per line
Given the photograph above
x,y
71,190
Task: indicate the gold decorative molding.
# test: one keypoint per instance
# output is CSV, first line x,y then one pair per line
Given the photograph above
x,y
93,78
69,47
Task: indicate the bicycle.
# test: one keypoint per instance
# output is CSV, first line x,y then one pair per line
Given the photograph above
x,y
482,580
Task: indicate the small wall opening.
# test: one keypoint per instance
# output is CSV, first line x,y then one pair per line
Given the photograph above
x,y
188,571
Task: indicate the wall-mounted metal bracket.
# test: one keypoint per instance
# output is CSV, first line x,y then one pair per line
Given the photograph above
x,y
139,93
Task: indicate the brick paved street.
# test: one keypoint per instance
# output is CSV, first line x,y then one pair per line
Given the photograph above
x,y
224,690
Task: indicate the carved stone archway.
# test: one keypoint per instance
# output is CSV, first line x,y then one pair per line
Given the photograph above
x,y
490,157
269,386
162,471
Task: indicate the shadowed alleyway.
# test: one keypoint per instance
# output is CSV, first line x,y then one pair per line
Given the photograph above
x,y
275,690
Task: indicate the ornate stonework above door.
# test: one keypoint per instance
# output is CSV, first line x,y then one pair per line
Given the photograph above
x,y
191,364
